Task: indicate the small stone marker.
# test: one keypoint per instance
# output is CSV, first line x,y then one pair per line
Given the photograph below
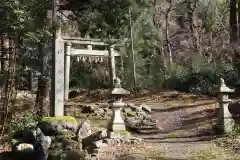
x,y
224,121
33,80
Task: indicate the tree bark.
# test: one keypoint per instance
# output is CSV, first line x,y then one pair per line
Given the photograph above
x,y
4,49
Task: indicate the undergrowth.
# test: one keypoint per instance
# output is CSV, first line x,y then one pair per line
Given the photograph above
x,y
17,123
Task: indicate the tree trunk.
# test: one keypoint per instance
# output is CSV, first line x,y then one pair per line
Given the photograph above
x,y
42,58
42,99
167,46
234,36
4,49
155,12
238,18
233,21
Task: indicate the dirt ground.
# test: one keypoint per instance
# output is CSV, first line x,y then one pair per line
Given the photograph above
x,y
187,121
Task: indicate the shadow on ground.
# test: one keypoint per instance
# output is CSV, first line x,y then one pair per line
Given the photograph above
x,y
141,157
5,156
234,109
196,123
189,123
175,108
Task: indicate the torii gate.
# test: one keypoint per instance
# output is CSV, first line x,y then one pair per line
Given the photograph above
x,y
89,52
63,53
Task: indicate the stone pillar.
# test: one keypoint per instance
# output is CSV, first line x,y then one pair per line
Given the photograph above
x,y
117,124
89,47
57,98
67,70
112,67
225,123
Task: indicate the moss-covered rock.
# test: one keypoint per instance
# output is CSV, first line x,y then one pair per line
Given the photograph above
x,y
131,114
55,126
123,132
64,137
60,118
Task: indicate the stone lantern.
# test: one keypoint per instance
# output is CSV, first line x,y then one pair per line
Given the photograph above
x,y
116,124
224,120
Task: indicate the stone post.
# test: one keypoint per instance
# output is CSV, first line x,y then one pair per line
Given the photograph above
x,y
67,70
89,47
117,124
225,122
112,67
33,81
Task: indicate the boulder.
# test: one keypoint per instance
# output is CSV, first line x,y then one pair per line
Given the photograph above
x,y
108,112
15,142
97,147
102,105
140,125
89,108
99,112
113,141
54,126
126,110
73,94
136,140
23,147
131,114
66,155
134,107
31,137
141,115
64,143
93,138
26,135
41,142
145,108
84,130
23,151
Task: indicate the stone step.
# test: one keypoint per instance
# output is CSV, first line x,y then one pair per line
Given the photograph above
x,y
143,127
145,130
150,124
152,131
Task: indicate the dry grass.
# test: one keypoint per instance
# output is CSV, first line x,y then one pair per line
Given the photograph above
x,y
143,151
216,153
